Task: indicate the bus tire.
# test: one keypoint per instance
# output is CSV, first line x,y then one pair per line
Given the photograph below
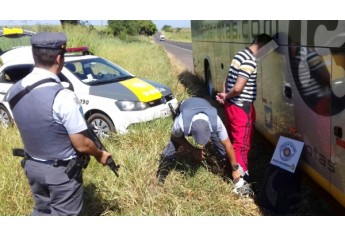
x,y
208,80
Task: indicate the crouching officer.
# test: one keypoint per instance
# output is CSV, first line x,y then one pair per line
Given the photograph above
x,y
53,129
197,118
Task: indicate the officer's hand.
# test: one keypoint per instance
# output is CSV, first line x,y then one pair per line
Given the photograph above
x,y
103,158
236,174
198,154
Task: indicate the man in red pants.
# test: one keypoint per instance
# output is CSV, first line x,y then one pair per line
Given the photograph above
x,y
238,97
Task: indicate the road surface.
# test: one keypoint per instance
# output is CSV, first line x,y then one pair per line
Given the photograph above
x,y
180,50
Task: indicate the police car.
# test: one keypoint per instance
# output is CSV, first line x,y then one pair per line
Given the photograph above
x,y
112,98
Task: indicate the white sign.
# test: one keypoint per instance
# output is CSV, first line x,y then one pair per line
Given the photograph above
x,y
287,154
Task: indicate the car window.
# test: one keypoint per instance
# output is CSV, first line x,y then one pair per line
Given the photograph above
x,y
77,69
13,74
97,71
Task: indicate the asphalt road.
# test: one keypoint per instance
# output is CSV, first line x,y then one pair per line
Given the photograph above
x,y
181,51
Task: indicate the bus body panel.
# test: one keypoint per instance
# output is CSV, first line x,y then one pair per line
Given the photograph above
x,y
301,86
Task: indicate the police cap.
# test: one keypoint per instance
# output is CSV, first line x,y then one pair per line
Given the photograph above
x,y
52,40
201,131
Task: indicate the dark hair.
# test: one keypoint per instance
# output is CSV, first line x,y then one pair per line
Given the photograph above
x,y
46,56
262,39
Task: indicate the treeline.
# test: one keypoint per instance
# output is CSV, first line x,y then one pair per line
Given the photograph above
x,y
121,28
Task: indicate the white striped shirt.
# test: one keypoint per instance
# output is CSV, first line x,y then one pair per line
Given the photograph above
x,y
244,65
308,70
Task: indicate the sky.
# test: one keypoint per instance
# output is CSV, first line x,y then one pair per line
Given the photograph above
x,y
158,23
177,10
172,23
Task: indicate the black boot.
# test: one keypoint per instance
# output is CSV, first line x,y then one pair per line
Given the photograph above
x,y
165,166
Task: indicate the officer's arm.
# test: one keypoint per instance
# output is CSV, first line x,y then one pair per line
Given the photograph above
x,y
230,153
83,144
197,153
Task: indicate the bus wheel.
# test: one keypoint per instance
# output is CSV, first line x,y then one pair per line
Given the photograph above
x,y
209,86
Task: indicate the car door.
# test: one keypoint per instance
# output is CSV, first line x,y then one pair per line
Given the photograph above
x,y
12,74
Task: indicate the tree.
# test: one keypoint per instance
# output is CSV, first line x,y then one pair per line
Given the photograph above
x,y
71,22
167,28
147,27
76,22
131,27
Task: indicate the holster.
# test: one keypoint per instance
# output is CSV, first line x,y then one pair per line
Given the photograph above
x,y
20,153
75,167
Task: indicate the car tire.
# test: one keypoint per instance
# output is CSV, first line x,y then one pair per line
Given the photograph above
x,y
5,117
102,125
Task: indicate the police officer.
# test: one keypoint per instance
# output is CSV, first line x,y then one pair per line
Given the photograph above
x,y
198,119
53,129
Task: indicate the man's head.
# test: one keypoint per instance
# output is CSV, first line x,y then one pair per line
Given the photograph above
x,y
262,45
47,46
261,39
201,131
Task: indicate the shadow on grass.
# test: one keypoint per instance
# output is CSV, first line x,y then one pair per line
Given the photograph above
x,y
193,84
94,205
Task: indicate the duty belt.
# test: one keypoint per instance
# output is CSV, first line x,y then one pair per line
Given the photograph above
x,y
55,163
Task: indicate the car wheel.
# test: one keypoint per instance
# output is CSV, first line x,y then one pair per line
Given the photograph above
x,y
102,125
5,117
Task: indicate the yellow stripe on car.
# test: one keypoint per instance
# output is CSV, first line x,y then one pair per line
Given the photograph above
x,y
143,90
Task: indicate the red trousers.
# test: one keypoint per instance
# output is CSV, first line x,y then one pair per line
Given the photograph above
x,y
240,127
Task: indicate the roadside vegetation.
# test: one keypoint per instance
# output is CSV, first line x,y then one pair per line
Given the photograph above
x,y
177,34
191,190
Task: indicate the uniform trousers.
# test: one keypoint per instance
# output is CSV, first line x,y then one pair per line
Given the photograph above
x,y
54,193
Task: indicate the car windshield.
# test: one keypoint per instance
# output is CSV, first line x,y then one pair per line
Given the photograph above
x,y
97,71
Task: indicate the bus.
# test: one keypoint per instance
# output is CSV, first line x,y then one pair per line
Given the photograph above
x,y
300,85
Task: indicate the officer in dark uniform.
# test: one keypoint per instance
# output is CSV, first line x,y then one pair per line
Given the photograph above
x,y
198,119
53,129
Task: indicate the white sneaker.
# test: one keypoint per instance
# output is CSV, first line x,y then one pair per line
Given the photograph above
x,y
242,188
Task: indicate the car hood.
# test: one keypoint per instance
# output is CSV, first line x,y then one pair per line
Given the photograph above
x,y
134,89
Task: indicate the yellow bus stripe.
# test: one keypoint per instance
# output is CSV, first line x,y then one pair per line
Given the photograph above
x,y
324,183
143,90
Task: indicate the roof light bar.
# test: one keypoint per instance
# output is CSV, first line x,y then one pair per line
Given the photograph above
x,y
83,50
77,49
7,31
15,32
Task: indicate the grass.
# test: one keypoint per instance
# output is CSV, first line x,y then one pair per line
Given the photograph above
x,y
179,34
136,191
193,189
